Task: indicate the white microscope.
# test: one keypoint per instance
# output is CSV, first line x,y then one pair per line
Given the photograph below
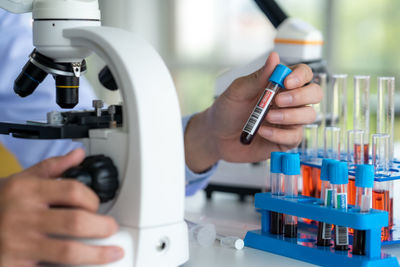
x,y
146,152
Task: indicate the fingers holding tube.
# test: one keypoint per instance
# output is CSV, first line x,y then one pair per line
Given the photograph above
x,y
292,116
301,74
310,94
282,136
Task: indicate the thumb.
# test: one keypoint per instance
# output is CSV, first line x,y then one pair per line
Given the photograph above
x,y
248,87
56,166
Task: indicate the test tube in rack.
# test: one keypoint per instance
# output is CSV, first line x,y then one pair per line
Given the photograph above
x,y
332,143
385,110
339,106
309,147
361,111
355,156
325,229
364,184
291,170
382,194
277,189
338,174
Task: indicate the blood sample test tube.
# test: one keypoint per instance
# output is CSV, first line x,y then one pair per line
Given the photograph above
x,y
361,109
385,110
338,174
291,170
264,103
277,187
324,229
364,184
332,143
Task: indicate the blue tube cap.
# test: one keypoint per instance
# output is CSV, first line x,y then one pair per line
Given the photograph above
x,y
365,176
324,169
276,162
291,164
279,74
338,172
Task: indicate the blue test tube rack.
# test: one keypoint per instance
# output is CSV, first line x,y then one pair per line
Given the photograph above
x,y
305,249
392,175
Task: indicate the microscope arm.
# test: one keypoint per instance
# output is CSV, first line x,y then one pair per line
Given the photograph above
x,y
17,6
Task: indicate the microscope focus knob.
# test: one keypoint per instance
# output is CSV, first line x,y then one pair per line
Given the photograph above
x,y
99,173
79,174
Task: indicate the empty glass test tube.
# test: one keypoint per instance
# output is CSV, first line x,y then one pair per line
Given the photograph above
x,y
338,174
332,143
325,229
361,109
339,106
277,189
364,184
321,108
291,170
381,153
385,110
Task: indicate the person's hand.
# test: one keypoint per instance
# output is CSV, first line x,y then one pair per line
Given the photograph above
x,y
30,223
214,134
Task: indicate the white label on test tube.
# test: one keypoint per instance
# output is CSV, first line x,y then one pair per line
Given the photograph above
x,y
259,111
326,227
342,235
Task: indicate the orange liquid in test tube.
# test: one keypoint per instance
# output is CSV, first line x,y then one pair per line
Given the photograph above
x,y
316,182
357,154
352,191
307,180
381,201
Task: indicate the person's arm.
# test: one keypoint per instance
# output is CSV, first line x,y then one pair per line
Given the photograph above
x,y
214,134
196,179
31,218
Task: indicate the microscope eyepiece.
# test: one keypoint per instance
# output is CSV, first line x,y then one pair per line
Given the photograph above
x,y
67,94
29,79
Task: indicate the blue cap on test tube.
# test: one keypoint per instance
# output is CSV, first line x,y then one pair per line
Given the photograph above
x,y
279,74
338,172
291,164
365,176
276,162
324,169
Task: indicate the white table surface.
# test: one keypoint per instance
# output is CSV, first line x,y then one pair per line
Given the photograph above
x,y
234,218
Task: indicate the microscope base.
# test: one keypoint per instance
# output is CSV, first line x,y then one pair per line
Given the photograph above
x,y
151,251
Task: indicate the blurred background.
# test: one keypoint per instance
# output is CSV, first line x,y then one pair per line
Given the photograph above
x,y
199,40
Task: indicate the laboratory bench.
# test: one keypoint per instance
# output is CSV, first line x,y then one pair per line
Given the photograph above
x,y
233,217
